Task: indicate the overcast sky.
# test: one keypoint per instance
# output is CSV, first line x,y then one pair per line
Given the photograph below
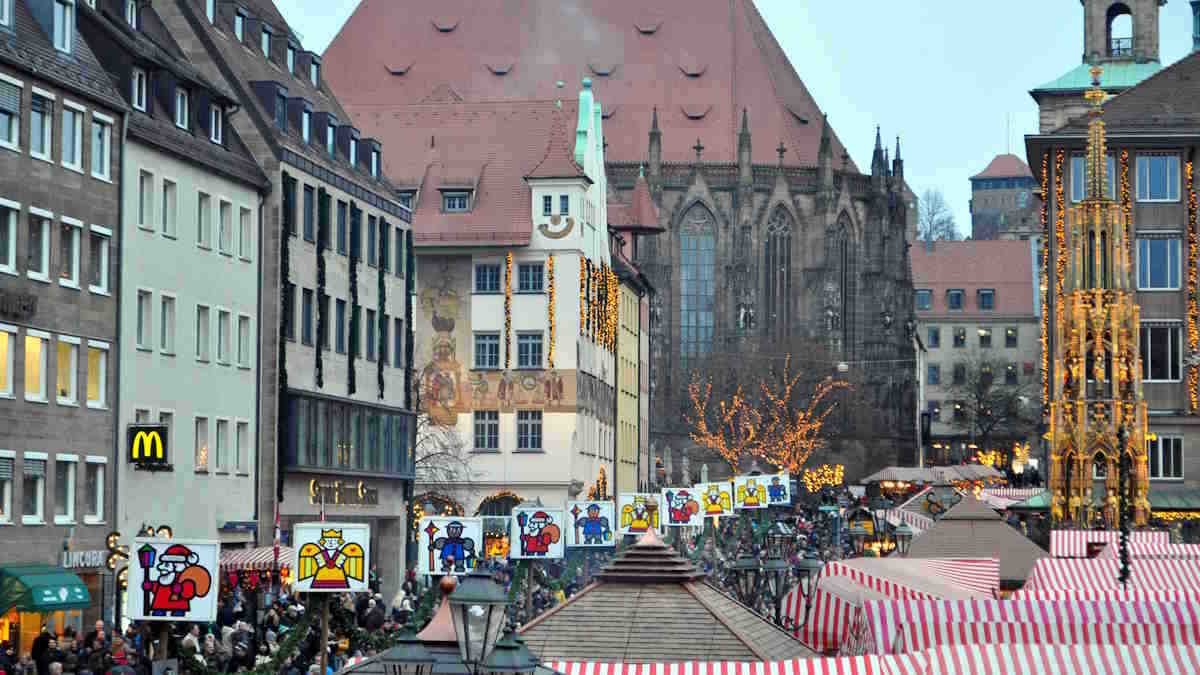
x,y
952,78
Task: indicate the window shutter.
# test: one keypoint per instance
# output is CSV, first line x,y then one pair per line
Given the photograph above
x,y
6,468
35,468
10,98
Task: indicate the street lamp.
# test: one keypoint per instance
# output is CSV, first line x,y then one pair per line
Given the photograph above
x,y
477,609
510,657
408,657
809,572
904,537
858,535
746,571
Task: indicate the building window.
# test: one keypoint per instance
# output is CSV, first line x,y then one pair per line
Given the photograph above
x,y
375,163
8,236
1158,264
329,134
487,351
1158,178
935,374
8,344
323,309
954,299
355,232
72,138
985,338
64,490
6,475
1010,374
1079,177
64,24
202,328
145,199
487,430
33,489
241,446
37,255
342,236
41,127
68,256
530,278
204,220
960,338
98,261
225,227
97,374
1161,352
182,102
221,445
243,342
137,92
166,318
201,444
94,490
454,202
144,319
210,10
372,234
924,299
547,205
131,13
306,317
306,125
960,373
281,112
353,152
529,350
1166,458
1010,338
239,26
987,299
5,20
385,240
399,252
245,232
168,207
314,73
309,211
224,325
339,331
487,278
698,285
529,430
10,112
370,335
405,199
935,338
67,375
564,205
398,340
216,119
36,358
289,310
265,41
384,345
291,59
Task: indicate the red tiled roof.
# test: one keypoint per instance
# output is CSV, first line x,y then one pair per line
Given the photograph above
x,y
1005,166
559,160
1004,265
699,61
640,215
487,147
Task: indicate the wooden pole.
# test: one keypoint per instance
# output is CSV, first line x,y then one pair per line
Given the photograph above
x,y
528,590
164,637
325,634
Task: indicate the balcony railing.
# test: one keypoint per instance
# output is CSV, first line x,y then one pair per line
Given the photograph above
x,y
1120,46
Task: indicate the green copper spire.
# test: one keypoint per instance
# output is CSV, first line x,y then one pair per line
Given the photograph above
x,y
585,120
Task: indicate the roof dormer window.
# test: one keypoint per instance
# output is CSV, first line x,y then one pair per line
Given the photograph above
x,y
137,94
375,163
239,26
314,72
306,125
216,124
131,13
181,108
291,59
6,12
265,41
281,111
456,202
330,131
210,10
64,25
353,151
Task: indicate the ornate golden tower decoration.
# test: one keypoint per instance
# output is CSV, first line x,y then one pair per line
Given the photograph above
x,y
1098,371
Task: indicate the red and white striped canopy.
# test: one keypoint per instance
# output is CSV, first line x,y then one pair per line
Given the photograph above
x,y
1004,497
852,665
916,521
919,638
1153,550
261,558
1074,543
1067,574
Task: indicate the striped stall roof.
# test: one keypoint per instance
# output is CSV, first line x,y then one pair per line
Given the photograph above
x,y
917,638
261,558
1074,543
1153,550
1069,574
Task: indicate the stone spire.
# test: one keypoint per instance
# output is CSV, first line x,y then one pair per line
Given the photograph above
x,y
878,164
655,151
745,174
825,158
898,164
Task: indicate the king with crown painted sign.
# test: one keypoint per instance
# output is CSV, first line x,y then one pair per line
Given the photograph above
x,y
331,557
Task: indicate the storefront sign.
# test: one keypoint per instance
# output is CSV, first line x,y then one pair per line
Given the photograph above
x,y
79,559
338,493
148,446
17,305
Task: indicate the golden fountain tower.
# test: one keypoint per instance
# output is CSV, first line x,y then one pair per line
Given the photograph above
x,y
1097,387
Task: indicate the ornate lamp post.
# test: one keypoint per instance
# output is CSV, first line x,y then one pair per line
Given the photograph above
x,y
808,571
477,609
408,657
510,657
858,535
776,570
747,573
904,537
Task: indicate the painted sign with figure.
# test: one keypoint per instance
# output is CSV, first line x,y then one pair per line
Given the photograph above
x,y
750,492
640,511
590,524
538,532
779,489
716,499
331,557
448,545
173,580
682,508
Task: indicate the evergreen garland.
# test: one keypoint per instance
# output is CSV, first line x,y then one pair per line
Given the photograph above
x,y
286,221
381,313
322,239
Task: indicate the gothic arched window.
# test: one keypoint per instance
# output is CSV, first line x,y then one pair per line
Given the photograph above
x,y
777,273
697,285
842,259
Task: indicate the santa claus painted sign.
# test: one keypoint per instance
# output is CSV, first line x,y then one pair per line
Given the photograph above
x,y
449,544
331,557
682,508
639,512
590,524
537,532
173,580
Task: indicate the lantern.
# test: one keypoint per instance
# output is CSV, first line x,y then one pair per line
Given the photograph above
x,y
477,608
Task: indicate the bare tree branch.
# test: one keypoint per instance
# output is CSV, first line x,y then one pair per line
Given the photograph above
x,y
987,406
935,219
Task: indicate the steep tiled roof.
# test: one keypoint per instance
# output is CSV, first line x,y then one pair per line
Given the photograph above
x,y
640,215
699,61
485,147
1005,166
1003,265
559,160
29,48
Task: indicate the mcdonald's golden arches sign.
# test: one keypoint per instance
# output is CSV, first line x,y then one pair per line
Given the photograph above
x,y
147,445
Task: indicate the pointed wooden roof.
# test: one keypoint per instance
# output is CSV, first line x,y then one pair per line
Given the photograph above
x,y
559,160
640,216
972,529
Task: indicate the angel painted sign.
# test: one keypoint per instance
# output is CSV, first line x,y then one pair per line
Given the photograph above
x,y
174,580
331,557
590,524
640,511
716,499
779,489
750,492
682,508
448,545
540,533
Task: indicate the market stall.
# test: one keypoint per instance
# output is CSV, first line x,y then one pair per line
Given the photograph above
x,y
32,596
1073,574
1085,543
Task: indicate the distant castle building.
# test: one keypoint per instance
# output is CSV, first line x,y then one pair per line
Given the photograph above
x,y
1002,201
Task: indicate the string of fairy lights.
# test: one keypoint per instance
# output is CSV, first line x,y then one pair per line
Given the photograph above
x,y
508,310
599,297
1045,281
826,475
1193,329
550,310
1060,237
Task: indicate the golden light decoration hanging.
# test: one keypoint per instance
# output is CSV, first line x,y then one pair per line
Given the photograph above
x,y
1176,516
550,309
594,299
614,321
582,298
1060,237
826,475
1127,203
1193,321
507,310
1044,285
989,457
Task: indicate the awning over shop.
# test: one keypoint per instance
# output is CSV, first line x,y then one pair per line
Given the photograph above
x,y
1074,543
1174,498
261,558
41,588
